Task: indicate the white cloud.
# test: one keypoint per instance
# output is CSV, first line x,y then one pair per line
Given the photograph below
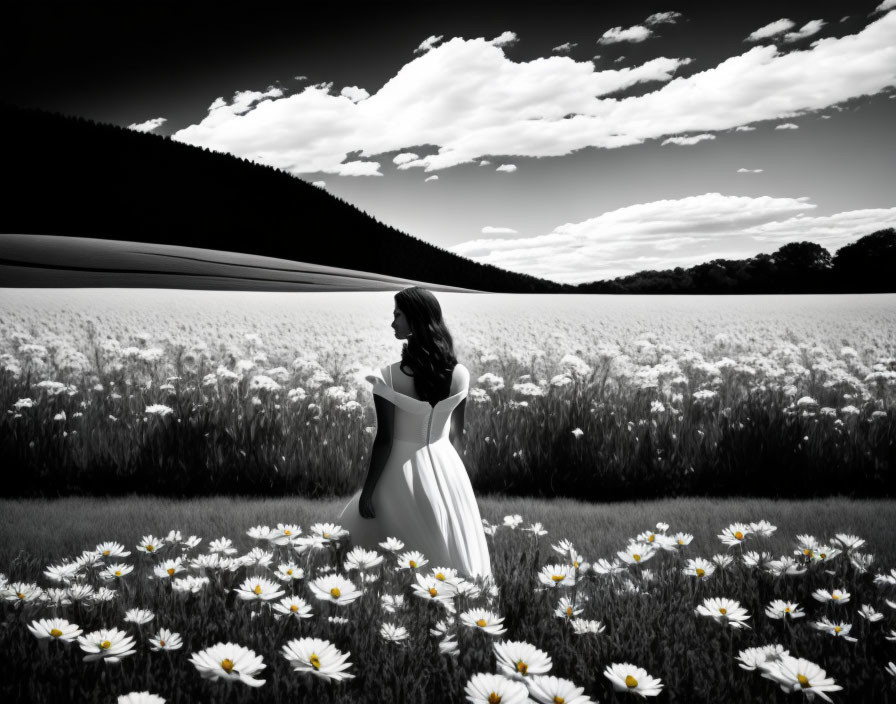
x,y
359,168
771,30
468,100
300,78
431,178
885,6
245,99
507,168
565,48
504,39
354,93
619,60
319,184
484,162
744,128
489,230
428,44
663,17
149,125
787,126
634,34
749,171
830,231
688,141
404,158
807,30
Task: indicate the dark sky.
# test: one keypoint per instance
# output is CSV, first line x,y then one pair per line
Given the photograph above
x,y
103,62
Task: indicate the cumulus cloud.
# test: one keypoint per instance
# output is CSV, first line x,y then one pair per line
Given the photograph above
x,y
619,60
504,39
564,48
772,29
484,162
319,184
149,125
749,171
431,178
885,6
744,128
354,93
662,18
807,30
404,158
468,100
428,44
635,34
300,78
489,230
668,233
787,126
688,141
507,168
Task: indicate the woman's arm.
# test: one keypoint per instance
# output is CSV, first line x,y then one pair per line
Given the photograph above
x,y
456,432
382,448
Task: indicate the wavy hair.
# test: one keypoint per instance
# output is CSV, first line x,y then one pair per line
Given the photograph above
x,y
428,354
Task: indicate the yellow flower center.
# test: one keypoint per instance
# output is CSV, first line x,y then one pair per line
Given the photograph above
x,y
559,700
170,571
105,645
326,535
150,548
118,573
257,590
481,623
738,535
807,552
289,572
161,644
55,633
315,661
650,539
413,564
20,595
227,664
701,572
786,609
803,680
287,532
723,611
557,577
568,611
335,593
440,577
630,682
837,629
835,596
494,698
106,553
575,564
637,557
294,608
433,591
522,667
680,541
823,555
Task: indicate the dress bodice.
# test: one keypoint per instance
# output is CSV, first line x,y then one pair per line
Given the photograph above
x,y
417,421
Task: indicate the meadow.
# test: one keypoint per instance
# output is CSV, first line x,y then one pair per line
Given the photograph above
x,y
607,398
578,589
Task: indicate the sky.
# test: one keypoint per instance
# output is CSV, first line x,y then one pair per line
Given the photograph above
x,y
566,140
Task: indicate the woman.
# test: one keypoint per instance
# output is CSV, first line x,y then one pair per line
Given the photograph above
x,y
417,488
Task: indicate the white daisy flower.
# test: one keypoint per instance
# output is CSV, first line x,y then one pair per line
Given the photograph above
x,y
484,620
393,633
392,545
55,628
724,611
779,609
626,677
293,606
139,616
547,689
107,644
317,657
486,688
518,659
229,661
335,589
166,639
799,675
259,589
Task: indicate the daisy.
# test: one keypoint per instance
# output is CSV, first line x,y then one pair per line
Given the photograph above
x,y
223,546
486,688
636,553
317,657
779,609
112,550
90,559
57,597
848,542
838,630
869,613
284,534
754,658
411,560
23,592
861,562
189,584
150,545
293,606
784,566
360,559
824,553
735,534
603,566
699,568
192,542
763,529
536,529
682,539
289,571
566,609
837,596
258,533
229,661
470,590
334,588
448,646
392,545
557,576
759,560
724,611
55,628
797,674
104,594
518,659
116,570
169,568
174,536
547,689
329,531
440,629
393,633
108,644
484,620
63,573
513,521
722,561
446,574
139,616
338,620
140,698
584,626
892,636
259,589
165,639
257,557
885,579
80,592
432,589
625,677
392,602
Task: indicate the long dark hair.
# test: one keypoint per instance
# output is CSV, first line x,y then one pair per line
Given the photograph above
x,y
428,354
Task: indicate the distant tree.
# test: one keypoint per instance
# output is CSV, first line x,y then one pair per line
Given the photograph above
x,y
868,263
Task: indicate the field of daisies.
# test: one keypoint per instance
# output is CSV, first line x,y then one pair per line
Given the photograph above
x,y
284,613
600,397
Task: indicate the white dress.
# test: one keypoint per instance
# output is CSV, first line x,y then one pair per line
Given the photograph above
x,y
423,496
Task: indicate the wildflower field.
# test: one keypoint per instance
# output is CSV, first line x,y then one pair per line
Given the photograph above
x,y
599,397
677,600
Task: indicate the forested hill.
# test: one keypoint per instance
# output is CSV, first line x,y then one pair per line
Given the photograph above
x,y
72,176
